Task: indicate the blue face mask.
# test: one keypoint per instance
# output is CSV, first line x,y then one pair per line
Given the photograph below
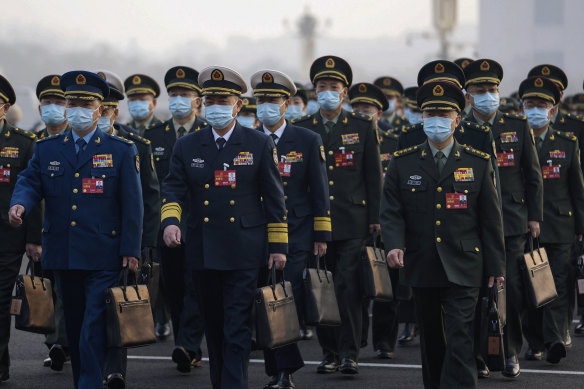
x,y
53,114
312,107
537,117
246,121
486,103
437,129
104,123
219,116
80,119
269,113
293,112
347,107
180,107
391,107
413,117
139,109
329,100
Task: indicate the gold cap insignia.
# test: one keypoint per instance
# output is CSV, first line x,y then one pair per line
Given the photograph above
x,y
485,66
439,68
217,75
386,82
245,101
362,88
267,78
136,80
438,91
330,63
55,81
545,71
180,73
80,80
538,82
465,63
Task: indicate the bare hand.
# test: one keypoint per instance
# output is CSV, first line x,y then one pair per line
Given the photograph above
x,y
534,228
171,236
580,236
34,251
15,215
278,259
319,249
395,258
131,263
492,279
374,228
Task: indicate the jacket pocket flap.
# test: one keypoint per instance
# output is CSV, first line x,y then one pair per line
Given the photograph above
x,y
564,210
109,228
103,172
470,245
465,187
518,197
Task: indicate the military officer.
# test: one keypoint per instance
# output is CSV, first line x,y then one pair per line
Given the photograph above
x,y
223,171
184,98
412,112
463,63
298,102
247,116
441,223
93,217
354,173
52,106
142,92
563,211
521,188
16,149
393,91
301,162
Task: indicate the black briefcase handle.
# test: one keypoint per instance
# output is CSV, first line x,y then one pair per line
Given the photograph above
x,y
30,271
272,281
123,282
531,239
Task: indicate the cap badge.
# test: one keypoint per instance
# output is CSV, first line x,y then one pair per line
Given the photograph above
x,y
438,91
330,63
386,82
80,80
245,102
465,63
180,73
439,68
267,78
545,71
55,81
538,82
217,75
136,80
485,67
362,88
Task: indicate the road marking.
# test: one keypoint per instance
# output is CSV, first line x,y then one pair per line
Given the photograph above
x,y
386,365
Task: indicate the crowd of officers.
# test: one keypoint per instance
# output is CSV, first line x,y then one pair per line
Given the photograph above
x,y
454,178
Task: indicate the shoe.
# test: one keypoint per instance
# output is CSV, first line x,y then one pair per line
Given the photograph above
x,y
556,352
115,381
349,366
381,354
181,357
58,357
579,330
285,381
533,355
482,369
408,334
568,340
195,362
306,334
511,369
327,367
273,383
47,362
162,331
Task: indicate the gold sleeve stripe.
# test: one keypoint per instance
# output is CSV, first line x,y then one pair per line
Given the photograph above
x,y
270,225
277,237
322,225
322,218
171,210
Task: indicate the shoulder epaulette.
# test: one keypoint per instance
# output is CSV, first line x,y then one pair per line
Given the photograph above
x,y
567,136
477,153
514,116
301,118
402,152
137,138
28,134
575,117
52,136
476,126
126,141
361,116
407,129
390,135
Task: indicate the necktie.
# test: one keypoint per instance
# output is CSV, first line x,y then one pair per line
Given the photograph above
x,y
274,138
181,132
329,126
220,143
538,143
80,143
440,161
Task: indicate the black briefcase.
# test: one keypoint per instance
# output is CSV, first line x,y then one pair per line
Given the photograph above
x,y
376,281
276,317
492,348
538,282
149,275
321,307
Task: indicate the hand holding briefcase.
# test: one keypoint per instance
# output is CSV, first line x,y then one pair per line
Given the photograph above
x,y
376,281
321,304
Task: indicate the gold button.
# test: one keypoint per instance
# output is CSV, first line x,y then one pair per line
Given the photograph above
x,y
438,222
231,219
103,176
76,175
465,191
232,186
206,220
331,183
75,190
330,152
285,183
413,189
73,224
74,207
158,159
477,249
114,232
439,189
438,239
438,206
7,165
285,197
52,174
286,212
284,217
231,202
206,186
331,167
570,213
364,202
332,197
206,202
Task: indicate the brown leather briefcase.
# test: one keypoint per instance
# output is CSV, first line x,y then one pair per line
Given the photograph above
x,y
376,281
321,307
538,281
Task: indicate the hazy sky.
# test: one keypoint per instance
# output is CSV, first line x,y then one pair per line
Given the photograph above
x,y
165,23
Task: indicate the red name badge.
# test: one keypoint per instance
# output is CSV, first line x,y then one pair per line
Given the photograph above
x,y
505,159
285,168
224,177
4,175
551,172
456,201
92,185
343,159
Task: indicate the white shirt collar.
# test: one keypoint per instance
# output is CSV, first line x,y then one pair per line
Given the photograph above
x,y
278,132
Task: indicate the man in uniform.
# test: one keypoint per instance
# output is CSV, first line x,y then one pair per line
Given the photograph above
x,y
441,222
354,173
412,112
116,362
16,149
463,63
301,162
93,217
298,102
393,91
224,171
142,92
179,291
52,106
521,188
247,116
563,212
